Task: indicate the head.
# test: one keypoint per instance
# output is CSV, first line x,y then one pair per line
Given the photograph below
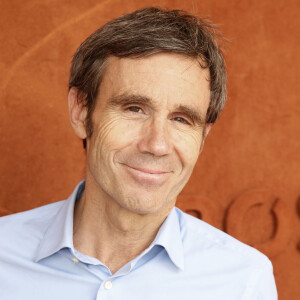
x,y
144,91
142,33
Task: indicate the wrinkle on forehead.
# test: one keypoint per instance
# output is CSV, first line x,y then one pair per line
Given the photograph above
x,y
159,58
171,77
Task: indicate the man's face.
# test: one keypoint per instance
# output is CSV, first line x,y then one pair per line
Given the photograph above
x,y
148,130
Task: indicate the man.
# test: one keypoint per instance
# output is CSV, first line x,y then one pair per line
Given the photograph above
x,y
144,92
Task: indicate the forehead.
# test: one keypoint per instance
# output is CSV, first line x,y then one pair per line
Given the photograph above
x,y
164,78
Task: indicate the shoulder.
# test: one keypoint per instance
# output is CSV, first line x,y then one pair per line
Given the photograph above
x,y
200,237
26,228
30,217
235,268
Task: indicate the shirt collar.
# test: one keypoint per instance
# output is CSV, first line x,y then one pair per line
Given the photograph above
x,y
169,237
60,232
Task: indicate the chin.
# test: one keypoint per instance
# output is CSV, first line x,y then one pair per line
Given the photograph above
x,y
146,205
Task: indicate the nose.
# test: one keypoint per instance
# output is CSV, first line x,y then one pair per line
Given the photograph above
x,y
155,138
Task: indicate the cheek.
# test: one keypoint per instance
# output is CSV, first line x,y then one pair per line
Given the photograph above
x,y
188,146
113,134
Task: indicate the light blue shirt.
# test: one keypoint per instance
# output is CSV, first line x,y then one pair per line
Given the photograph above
x,y
188,259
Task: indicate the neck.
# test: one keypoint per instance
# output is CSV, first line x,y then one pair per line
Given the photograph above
x,y
110,233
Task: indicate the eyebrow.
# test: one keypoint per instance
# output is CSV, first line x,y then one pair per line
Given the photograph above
x,y
125,99
193,114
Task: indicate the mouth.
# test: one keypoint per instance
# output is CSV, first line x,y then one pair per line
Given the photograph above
x,y
149,171
147,176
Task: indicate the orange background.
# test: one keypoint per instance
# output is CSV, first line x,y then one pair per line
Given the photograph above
x,y
247,180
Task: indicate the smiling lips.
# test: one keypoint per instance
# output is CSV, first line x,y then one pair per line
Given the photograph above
x,y
148,177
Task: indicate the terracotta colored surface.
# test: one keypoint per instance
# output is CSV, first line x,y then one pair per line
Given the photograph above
x,y
247,181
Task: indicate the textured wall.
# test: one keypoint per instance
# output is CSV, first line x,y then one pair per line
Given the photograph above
x,y
247,181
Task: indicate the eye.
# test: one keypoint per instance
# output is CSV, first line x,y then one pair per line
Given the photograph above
x,y
134,108
181,120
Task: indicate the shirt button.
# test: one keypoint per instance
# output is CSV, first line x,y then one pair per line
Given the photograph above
x,y
75,259
108,285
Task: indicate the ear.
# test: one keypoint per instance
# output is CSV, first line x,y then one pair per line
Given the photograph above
x,y
206,131
77,113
